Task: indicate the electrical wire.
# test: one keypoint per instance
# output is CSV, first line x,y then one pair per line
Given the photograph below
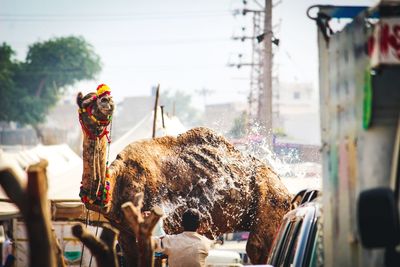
x,y
107,18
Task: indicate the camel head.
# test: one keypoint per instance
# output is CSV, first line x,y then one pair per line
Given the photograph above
x,y
95,111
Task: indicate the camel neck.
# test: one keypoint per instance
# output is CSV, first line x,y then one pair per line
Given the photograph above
x,y
94,163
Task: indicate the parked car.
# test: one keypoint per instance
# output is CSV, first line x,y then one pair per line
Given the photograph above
x,y
234,242
223,258
298,241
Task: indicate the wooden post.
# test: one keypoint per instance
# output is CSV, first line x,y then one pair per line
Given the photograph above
x,y
38,216
162,116
142,227
155,111
34,207
103,249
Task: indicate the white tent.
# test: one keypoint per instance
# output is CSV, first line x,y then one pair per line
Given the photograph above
x,y
144,129
64,169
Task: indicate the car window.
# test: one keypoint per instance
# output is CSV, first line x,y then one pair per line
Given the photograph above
x,y
291,251
289,244
313,255
317,257
279,241
311,245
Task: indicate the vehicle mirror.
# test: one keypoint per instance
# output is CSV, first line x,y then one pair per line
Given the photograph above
x,y
378,220
220,240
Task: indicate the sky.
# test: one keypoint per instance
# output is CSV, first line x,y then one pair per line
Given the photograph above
x,y
180,44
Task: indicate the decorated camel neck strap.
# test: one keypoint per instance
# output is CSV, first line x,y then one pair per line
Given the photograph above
x,y
101,196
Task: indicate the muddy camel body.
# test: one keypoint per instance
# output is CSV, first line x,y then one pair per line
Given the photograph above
x,y
200,169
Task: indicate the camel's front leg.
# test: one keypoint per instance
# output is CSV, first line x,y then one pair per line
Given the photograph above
x,y
257,247
266,224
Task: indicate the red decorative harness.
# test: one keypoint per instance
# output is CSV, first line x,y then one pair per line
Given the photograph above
x,y
87,131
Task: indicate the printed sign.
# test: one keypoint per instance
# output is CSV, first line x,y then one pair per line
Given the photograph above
x,y
384,44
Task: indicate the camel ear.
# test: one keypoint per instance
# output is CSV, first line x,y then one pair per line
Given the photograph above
x,y
79,99
88,100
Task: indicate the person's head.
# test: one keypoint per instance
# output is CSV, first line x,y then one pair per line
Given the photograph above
x,y
191,220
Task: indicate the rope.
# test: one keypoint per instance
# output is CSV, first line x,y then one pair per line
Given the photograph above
x,y
96,166
109,144
108,157
97,229
83,246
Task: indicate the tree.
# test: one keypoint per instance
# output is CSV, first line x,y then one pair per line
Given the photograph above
x,y
239,127
7,70
179,104
32,87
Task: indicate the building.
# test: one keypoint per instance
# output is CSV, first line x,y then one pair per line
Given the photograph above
x,y
296,114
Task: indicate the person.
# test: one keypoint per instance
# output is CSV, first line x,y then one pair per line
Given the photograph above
x,y
8,257
189,248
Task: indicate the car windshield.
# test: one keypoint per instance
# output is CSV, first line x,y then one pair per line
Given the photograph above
x,y
237,236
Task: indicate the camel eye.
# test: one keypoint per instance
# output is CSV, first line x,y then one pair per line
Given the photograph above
x,y
104,100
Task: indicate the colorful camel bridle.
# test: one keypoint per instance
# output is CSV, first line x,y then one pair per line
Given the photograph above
x,y
102,195
103,123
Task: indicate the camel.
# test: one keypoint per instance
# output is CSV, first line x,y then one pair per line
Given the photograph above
x,y
199,169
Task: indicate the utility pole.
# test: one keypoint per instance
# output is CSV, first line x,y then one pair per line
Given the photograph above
x,y
255,63
257,70
265,96
260,96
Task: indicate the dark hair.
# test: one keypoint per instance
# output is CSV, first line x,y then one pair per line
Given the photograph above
x,y
191,220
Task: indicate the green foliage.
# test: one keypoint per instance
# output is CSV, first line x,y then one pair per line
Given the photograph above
x,y
279,132
7,70
239,128
32,87
178,103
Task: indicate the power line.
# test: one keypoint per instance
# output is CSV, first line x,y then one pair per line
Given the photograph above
x,y
191,12
107,18
162,42
136,43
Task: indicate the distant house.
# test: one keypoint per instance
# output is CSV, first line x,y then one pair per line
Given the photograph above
x,y
61,126
296,112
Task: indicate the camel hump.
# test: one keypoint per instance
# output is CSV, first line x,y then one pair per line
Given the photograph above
x,y
203,136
